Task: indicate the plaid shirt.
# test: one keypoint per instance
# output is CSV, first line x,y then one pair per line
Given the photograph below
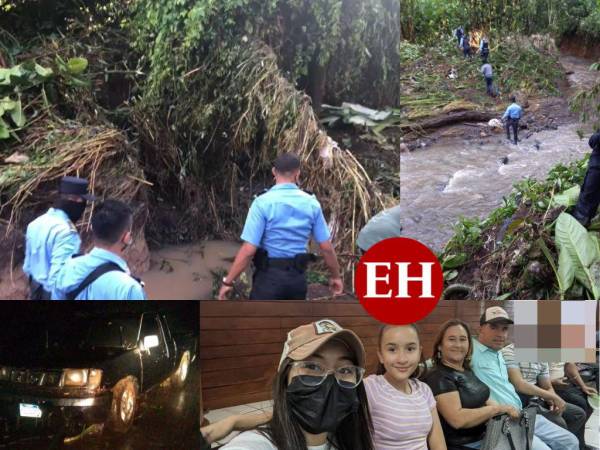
x,y
531,371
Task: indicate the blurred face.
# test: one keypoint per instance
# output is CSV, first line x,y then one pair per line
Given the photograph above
x,y
494,335
455,345
400,352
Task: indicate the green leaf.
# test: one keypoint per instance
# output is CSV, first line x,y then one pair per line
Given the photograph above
x,y
578,252
504,296
4,130
43,71
453,261
544,248
567,198
76,66
6,104
450,275
17,115
565,273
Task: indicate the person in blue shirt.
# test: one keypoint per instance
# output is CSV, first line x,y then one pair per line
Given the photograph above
x,y
589,197
51,239
102,274
512,115
278,227
489,366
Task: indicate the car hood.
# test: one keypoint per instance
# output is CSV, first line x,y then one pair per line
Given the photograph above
x,y
37,358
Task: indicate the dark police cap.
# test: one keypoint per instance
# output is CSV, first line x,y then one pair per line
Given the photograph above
x,y
75,186
286,162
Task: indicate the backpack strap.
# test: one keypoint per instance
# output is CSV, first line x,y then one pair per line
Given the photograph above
x,y
93,276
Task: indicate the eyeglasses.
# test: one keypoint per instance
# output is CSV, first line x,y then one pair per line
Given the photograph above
x,y
313,374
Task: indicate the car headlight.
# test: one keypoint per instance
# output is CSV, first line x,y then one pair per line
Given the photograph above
x,y
89,378
4,373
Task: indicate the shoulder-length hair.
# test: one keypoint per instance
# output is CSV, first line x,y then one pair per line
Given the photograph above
x,y
437,357
354,433
381,368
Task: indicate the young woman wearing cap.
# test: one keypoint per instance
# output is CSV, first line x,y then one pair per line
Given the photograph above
x,y
463,401
319,400
402,407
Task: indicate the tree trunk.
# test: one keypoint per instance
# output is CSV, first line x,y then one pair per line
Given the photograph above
x,y
452,118
316,81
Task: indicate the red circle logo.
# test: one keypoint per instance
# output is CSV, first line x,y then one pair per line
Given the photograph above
x,y
399,281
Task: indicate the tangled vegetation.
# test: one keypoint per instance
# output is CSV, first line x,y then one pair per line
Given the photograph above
x,y
439,80
428,20
189,102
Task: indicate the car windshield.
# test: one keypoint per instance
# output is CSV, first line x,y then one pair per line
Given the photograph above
x,y
71,334
121,333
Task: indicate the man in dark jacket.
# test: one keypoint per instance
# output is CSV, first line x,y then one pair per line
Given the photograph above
x,y
589,198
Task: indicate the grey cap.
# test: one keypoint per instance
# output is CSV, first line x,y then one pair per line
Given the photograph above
x,y
383,225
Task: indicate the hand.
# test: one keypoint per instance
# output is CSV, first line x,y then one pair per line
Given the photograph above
x,y
589,390
218,430
557,404
512,412
224,291
336,286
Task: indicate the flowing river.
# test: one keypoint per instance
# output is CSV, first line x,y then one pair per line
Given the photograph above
x,y
458,177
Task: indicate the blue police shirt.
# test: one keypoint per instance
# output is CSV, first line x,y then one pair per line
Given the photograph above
x,y
50,241
282,220
114,285
514,111
488,365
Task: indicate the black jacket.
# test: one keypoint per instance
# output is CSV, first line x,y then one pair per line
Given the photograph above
x,y
595,141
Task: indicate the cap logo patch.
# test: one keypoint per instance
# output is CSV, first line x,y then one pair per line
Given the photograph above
x,y
326,326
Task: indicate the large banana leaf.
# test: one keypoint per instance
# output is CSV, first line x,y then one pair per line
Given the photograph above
x,y
567,198
578,253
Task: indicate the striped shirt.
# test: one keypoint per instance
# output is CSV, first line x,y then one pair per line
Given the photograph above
x,y
529,370
400,421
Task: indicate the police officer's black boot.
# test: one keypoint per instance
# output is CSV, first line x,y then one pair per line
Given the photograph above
x,y
589,198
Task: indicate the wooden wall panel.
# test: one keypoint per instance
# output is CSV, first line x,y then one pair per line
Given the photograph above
x,y
241,341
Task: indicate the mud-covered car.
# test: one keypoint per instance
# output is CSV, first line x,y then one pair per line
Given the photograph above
x,y
66,376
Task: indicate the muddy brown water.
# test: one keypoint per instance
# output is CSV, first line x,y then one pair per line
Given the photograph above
x,y
184,271
469,178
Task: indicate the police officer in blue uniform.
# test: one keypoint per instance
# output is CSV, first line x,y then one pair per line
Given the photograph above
x,y
512,115
102,274
279,225
52,238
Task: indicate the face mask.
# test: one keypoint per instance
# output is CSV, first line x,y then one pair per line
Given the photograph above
x,y
322,408
73,209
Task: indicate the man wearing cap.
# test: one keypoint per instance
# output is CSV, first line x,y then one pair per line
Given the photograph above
x,y
279,225
52,238
489,366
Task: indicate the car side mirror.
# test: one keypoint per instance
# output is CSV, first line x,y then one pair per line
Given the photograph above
x,y
150,341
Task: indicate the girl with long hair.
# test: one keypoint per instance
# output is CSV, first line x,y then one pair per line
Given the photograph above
x,y
402,408
319,399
